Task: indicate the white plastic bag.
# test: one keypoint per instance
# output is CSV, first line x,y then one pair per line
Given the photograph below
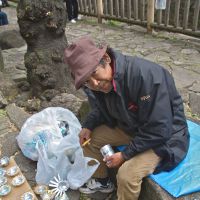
x,y
41,139
160,4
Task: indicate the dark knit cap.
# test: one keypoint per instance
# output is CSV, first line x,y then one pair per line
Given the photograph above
x,y
83,56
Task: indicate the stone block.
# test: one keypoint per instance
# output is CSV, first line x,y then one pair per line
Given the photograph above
x,y
17,115
9,144
3,101
11,39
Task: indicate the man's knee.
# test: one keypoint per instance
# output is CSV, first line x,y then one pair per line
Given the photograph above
x,y
126,176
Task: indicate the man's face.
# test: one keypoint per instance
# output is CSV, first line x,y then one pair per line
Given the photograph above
x,y
101,78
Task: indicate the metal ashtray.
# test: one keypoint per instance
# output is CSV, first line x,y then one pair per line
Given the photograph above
x,y
12,171
40,189
4,161
2,171
18,180
5,190
27,196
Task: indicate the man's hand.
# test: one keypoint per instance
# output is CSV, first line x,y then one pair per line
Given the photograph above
x,y
116,160
84,135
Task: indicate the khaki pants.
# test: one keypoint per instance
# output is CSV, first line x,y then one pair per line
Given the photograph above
x,y
131,173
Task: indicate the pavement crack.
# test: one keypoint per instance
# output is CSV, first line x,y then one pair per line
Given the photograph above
x,y
188,86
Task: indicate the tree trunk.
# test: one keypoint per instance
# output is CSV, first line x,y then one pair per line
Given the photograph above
x,y
42,25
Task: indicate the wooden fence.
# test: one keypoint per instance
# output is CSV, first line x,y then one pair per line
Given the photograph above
x,y
180,16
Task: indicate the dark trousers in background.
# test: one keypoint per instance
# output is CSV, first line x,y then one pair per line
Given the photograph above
x,y
72,9
3,18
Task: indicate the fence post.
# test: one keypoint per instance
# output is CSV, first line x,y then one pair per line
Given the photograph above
x,y
150,14
99,10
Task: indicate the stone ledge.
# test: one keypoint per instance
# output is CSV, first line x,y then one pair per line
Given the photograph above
x,y
152,191
17,115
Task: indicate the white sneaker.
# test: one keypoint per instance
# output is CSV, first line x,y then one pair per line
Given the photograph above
x,y
94,185
79,17
73,21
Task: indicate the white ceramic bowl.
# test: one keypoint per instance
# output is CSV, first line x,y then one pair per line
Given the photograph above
x,y
5,190
18,180
12,171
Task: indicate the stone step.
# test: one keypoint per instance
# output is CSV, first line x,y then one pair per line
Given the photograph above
x,y
152,191
7,135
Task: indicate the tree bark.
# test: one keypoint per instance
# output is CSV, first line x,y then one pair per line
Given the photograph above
x,y
42,25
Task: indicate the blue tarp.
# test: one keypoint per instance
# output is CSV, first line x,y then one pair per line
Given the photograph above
x,y
185,178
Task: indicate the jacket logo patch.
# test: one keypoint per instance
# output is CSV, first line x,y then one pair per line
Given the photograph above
x,y
132,107
144,98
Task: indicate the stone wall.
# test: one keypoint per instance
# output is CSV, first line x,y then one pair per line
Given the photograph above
x,y
1,61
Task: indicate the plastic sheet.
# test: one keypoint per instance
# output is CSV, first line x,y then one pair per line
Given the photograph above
x,y
185,178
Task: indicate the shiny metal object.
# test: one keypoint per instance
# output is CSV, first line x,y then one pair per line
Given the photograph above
x,y
40,189
107,150
62,197
2,171
27,196
60,186
3,180
12,171
18,180
5,190
49,195
4,161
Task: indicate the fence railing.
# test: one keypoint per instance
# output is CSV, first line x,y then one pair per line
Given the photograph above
x,y
180,16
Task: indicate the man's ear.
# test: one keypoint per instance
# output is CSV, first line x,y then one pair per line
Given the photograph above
x,y
107,58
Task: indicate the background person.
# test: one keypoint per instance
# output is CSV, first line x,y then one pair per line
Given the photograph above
x,y
137,104
5,3
3,16
72,10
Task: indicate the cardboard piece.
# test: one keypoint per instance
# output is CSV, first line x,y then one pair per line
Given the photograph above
x,y
17,192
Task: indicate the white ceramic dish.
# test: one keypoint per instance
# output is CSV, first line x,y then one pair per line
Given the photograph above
x,y
2,171
5,190
12,171
3,180
40,189
27,196
18,180
4,161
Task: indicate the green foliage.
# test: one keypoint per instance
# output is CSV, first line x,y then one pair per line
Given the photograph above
x,y
113,23
2,113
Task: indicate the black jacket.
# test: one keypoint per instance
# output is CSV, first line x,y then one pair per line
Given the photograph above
x,y
146,105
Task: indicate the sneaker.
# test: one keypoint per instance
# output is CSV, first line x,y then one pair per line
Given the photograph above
x,y
73,21
93,185
79,17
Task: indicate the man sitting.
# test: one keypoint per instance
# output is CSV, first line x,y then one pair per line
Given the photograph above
x,y
137,105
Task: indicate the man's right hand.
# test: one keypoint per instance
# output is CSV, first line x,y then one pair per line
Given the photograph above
x,y
84,135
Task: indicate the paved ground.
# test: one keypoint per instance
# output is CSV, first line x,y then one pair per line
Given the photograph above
x,y
179,54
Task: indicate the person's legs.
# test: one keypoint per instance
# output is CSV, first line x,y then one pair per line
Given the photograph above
x,y
3,18
75,9
69,9
101,136
131,173
5,3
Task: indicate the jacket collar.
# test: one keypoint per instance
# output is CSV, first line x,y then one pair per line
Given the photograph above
x,y
118,69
